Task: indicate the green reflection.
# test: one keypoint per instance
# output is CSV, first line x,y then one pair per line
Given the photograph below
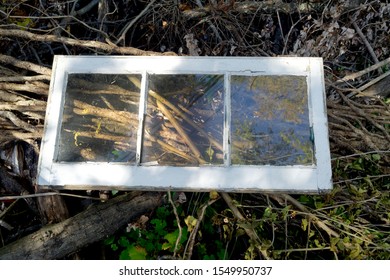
x,y
100,119
270,121
184,120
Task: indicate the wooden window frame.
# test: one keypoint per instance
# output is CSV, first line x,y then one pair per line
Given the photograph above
x,y
230,178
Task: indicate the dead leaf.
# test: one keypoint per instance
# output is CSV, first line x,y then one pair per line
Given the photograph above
x,y
192,45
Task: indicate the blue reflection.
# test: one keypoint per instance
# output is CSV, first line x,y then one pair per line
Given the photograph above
x,y
270,120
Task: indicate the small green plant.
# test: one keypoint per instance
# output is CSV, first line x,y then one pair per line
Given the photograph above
x,y
148,243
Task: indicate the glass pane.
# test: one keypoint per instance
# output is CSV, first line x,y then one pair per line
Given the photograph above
x,y
100,119
270,121
184,120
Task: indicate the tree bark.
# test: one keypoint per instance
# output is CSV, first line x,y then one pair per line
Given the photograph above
x,y
56,241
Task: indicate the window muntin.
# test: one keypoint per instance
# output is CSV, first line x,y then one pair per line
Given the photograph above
x,y
310,176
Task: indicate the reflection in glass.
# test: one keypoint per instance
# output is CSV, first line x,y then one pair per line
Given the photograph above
x,y
270,121
184,120
100,119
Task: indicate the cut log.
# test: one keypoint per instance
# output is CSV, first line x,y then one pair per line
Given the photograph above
x,y
99,221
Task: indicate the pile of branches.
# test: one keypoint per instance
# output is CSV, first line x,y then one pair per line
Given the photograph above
x,y
349,35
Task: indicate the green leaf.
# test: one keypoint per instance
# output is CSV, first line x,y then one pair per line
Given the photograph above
x,y
318,244
123,241
150,246
160,226
355,252
115,153
376,157
208,257
210,153
221,254
304,224
133,253
166,246
171,237
24,23
162,212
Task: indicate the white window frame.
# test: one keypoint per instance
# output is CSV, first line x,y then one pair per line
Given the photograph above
x,y
230,178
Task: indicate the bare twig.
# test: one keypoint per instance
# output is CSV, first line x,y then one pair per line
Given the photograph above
x,y
35,88
361,154
362,178
367,140
353,76
25,78
80,43
366,43
178,224
86,8
131,23
281,29
374,81
378,90
18,122
249,231
25,64
6,225
313,218
212,26
363,114
191,239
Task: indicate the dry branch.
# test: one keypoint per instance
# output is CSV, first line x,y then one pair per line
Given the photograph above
x,y
109,48
365,41
25,78
40,88
356,75
56,241
24,64
18,122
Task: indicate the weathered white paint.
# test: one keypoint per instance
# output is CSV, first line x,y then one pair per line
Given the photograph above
x,y
222,178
